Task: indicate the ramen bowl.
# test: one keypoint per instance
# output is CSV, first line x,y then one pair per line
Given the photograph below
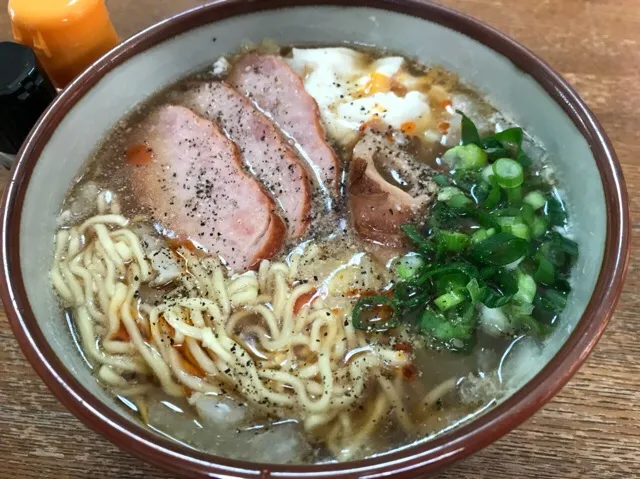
x,y
511,78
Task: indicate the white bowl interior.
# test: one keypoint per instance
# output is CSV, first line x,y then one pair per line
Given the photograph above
x,y
513,92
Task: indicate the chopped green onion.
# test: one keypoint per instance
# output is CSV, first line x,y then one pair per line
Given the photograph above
x,y
509,173
409,265
528,214
514,136
441,215
568,246
539,227
453,240
518,229
526,288
439,270
523,158
500,249
493,198
521,231
514,226
484,219
562,285
545,273
409,296
466,179
515,309
507,221
551,301
475,290
494,149
374,305
469,132
511,136
482,234
448,192
459,201
468,156
511,211
437,326
416,237
488,172
449,300
535,199
553,251
514,195
488,271
441,179
487,244
451,282
480,191
500,289
495,299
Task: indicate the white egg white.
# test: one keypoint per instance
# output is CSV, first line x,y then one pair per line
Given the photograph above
x,y
345,84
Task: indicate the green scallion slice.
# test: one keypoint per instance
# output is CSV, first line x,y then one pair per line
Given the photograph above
x,y
509,173
493,198
409,265
440,328
546,272
500,249
482,234
459,201
453,240
487,173
535,199
448,192
475,290
469,131
449,300
518,229
539,227
417,238
528,214
514,195
465,157
551,301
526,288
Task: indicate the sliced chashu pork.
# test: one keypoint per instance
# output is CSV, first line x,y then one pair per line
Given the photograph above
x,y
278,91
387,188
196,186
264,150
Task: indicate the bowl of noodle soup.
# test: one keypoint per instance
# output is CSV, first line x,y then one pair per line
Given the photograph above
x,y
316,339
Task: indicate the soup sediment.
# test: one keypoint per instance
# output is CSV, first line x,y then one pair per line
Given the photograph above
x,y
310,255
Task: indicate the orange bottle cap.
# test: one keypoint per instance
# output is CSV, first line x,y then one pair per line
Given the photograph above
x,y
67,35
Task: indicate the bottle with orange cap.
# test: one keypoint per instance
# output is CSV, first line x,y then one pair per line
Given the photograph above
x,y
67,35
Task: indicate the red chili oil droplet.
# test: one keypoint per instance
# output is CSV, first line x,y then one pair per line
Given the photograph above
x,y
409,372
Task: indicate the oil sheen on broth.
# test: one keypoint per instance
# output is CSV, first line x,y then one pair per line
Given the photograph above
x,y
311,254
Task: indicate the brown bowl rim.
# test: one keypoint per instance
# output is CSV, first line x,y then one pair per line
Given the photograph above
x,y
411,461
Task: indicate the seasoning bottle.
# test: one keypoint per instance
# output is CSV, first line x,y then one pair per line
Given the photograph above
x,y
25,92
67,35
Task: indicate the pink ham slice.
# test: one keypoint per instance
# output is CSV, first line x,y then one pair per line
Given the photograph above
x,y
264,151
279,91
195,185
387,188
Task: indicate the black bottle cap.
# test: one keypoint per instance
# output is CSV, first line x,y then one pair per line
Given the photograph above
x,y
25,92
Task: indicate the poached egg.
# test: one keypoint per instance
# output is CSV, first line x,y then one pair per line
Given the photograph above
x,y
351,89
